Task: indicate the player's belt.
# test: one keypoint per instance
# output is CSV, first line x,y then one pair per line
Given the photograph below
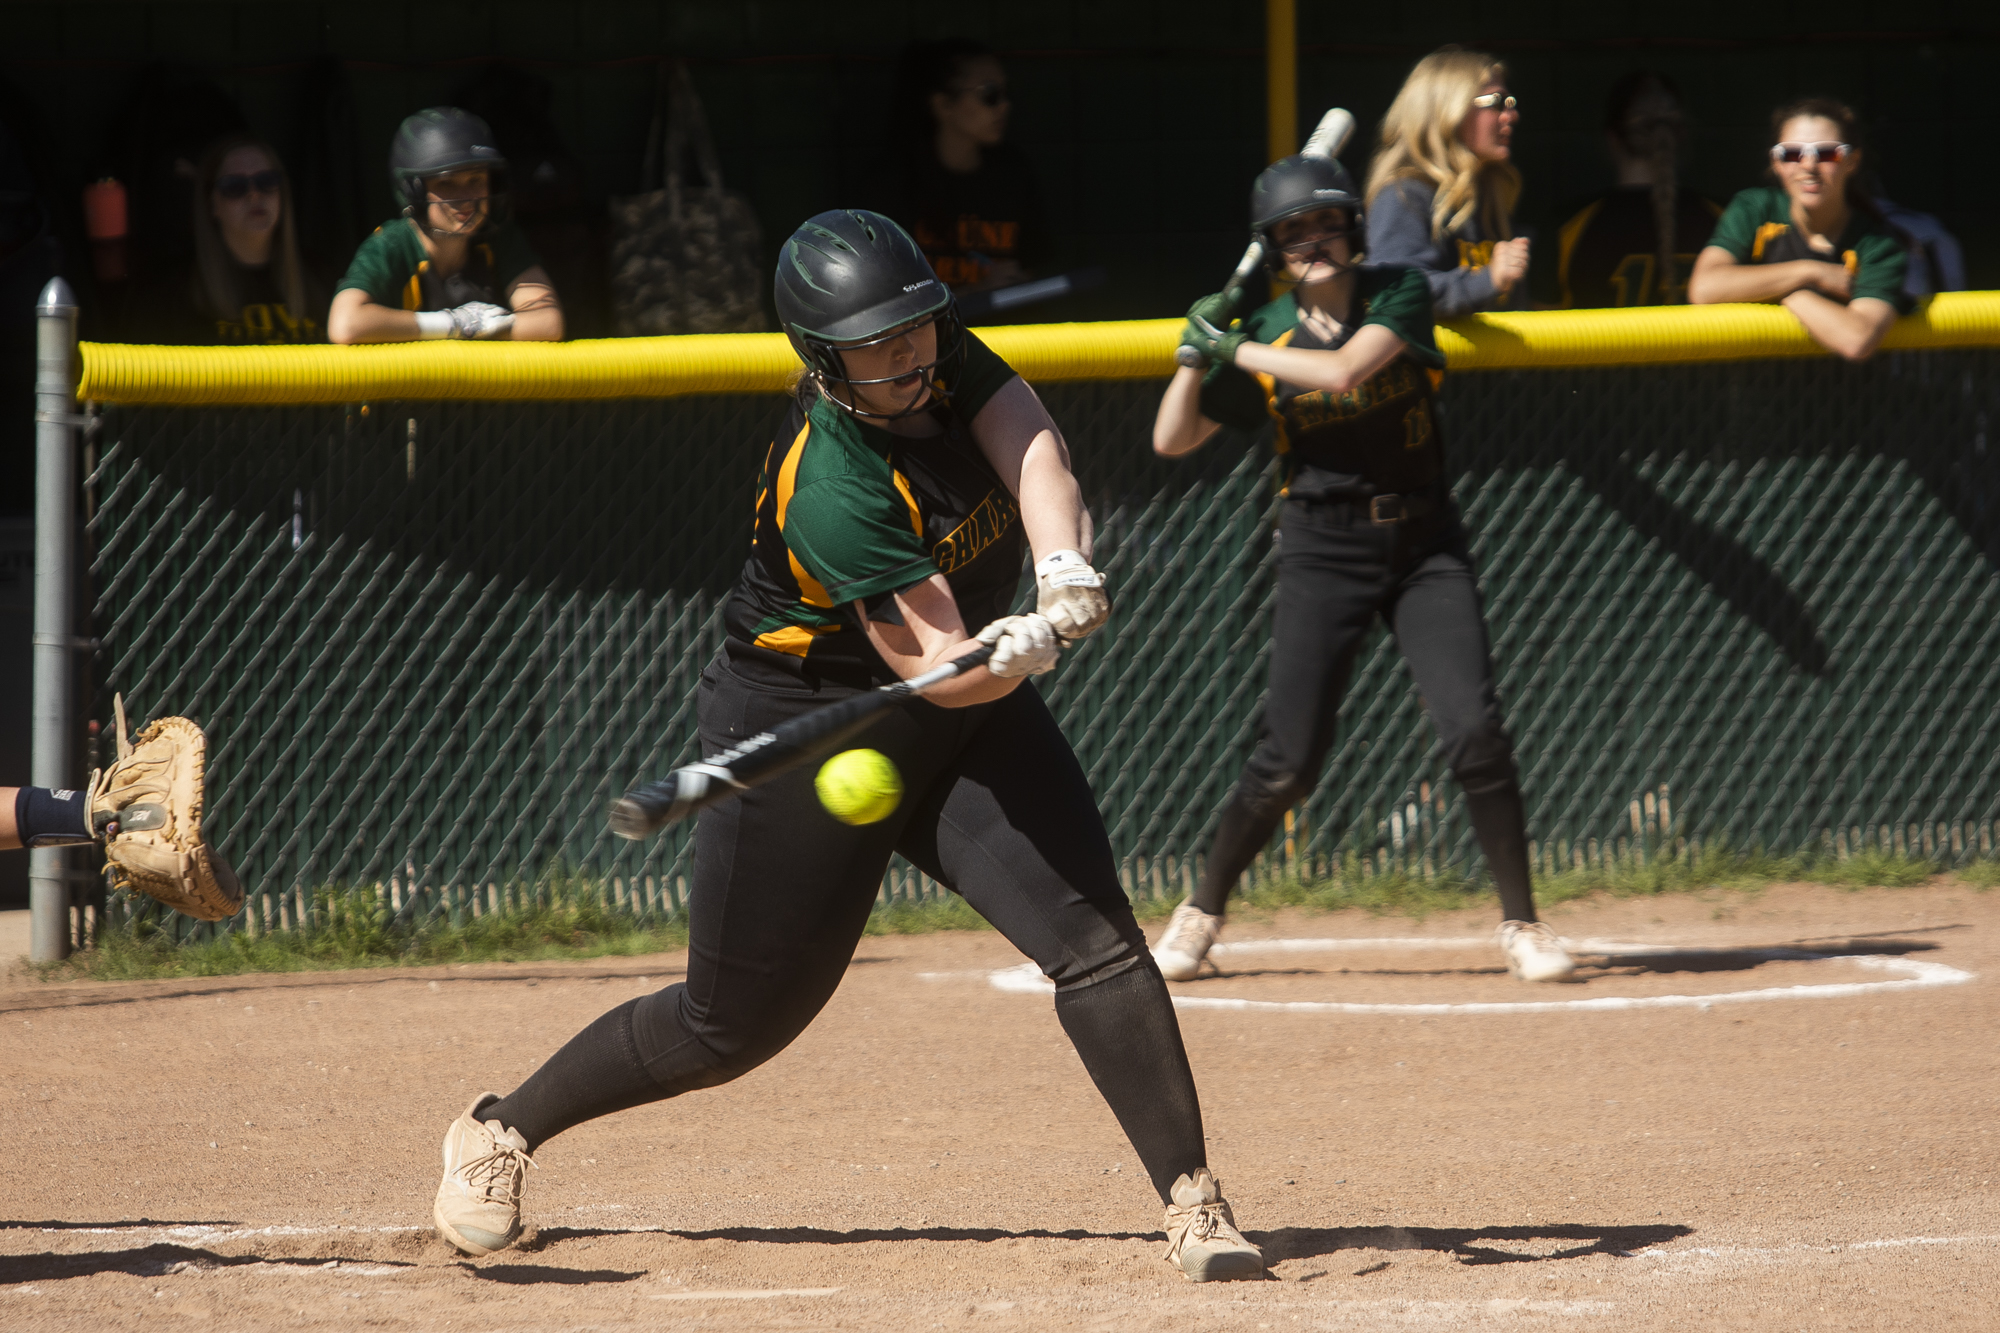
x,y
1384,510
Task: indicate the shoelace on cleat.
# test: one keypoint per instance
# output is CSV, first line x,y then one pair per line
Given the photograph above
x,y
1201,1222
497,1175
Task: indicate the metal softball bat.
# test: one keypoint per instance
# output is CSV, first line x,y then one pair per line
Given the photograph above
x,y
646,810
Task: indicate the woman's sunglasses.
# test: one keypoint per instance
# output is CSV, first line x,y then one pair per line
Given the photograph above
x,y
236,186
1812,154
1491,101
989,94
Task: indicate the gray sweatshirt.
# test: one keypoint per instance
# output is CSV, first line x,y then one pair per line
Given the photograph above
x,y
1399,233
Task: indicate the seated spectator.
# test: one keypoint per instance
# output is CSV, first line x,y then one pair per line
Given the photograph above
x,y
969,198
1814,244
1441,191
453,265
246,283
1636,243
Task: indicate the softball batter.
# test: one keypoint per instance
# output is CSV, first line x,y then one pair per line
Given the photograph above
x,y
891,513
1347,364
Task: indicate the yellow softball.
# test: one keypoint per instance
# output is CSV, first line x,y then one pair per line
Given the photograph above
x,y
859,786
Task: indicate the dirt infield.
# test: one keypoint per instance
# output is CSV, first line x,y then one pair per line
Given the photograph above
x,y
261,1151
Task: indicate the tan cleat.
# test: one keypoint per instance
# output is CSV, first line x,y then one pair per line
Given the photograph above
x,y
1202,1239
1182,949
478,1205
1534,952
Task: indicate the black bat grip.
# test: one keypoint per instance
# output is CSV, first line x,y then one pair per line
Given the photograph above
x,y
645,810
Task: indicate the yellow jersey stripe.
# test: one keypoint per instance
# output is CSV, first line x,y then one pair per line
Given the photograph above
x,y
903,485
792,639
811,591
1281,443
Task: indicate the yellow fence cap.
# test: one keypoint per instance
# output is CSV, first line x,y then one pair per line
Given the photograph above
x,y
764,362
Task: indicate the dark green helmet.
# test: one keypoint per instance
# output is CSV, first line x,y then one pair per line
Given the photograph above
x,y
440,139
849,276
1300,184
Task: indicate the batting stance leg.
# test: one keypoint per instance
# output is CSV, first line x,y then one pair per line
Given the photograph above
x,y
997,807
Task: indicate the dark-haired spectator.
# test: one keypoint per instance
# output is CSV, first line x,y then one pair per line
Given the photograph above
x,y
969,198
1636,243
1814,243
453,265
1441,191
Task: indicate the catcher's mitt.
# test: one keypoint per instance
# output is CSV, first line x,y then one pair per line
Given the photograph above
x,y
147,809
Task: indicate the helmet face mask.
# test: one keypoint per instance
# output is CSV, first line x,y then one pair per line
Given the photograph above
x,y
1309,243
452,192
828,366
1295,187
444,141
849,280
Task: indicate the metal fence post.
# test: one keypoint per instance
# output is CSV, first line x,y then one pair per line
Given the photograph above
x,y
53,763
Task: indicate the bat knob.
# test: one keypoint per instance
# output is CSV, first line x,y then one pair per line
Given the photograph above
x,y
629,819
1190,357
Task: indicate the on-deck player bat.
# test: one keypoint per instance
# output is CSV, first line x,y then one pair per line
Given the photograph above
x,y
645,810
1327,139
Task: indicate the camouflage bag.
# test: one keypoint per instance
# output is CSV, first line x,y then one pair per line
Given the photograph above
x,y
684,258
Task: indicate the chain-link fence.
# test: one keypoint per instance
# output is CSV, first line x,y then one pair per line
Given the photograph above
x,y
430,642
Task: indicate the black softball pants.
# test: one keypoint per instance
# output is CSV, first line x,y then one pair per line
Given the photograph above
x,y
996,807
1337,571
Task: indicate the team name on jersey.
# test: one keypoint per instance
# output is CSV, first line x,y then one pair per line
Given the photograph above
x,y
981,528
1311,410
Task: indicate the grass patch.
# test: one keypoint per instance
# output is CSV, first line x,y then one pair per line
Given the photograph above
x,y
1713,867
356,929
1981,875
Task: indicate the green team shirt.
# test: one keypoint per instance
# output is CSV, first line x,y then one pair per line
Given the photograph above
x,y
1757,228
848,512
1379,438
392,267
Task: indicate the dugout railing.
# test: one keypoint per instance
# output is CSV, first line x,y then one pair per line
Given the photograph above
x,y
437,604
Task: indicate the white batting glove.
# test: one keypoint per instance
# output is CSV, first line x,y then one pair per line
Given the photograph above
x,y
480,319
1071,594
1022,645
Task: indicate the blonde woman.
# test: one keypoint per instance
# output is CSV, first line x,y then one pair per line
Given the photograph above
x,y
1814,243
1442,189
247,284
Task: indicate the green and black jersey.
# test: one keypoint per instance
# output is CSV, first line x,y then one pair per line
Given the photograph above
x,y
393,267
1379,438
1757,228
1609,248
848,512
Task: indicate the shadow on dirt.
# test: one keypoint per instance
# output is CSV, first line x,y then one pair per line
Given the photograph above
x,y
1481,1245
124,1224
1591,963
530,1275
859,1236
157,1261
1671,960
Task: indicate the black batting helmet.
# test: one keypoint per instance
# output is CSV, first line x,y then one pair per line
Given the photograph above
x,y
441,139
1300,184
849,276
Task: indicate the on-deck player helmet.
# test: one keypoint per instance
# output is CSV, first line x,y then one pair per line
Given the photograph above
x,y
440,139
850,276
1300,184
